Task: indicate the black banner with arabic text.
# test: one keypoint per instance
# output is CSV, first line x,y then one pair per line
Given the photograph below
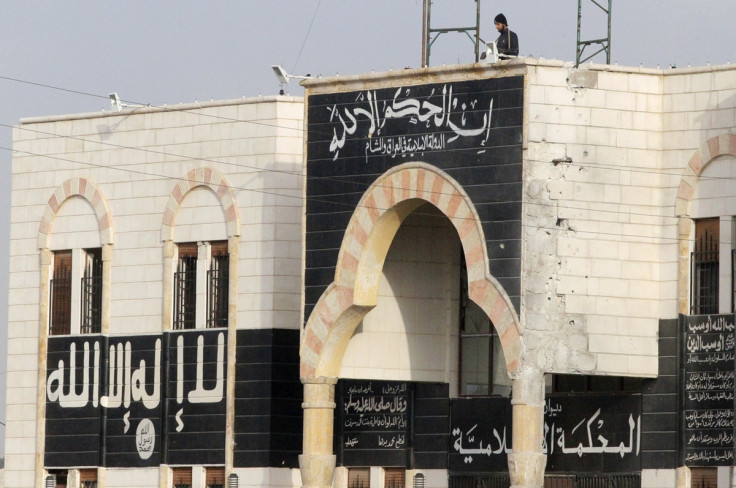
x,y
708,390
582,433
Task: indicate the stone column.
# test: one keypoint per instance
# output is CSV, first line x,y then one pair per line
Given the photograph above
x,y
317,464
106,285
233,249
527,461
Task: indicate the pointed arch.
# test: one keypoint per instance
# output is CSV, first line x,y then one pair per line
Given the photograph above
x,y
204,177
73,187
373,225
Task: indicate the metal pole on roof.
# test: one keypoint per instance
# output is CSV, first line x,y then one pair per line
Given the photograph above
x,y
604,44
430,35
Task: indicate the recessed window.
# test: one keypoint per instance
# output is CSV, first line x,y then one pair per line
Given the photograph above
x,y
87,478
394,478
76,285
215,477
61,294
181,477
201,285
359,477
704,268
482,364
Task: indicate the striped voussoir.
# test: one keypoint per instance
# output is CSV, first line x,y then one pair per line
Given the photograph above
x,y
389,199
76,187
201,177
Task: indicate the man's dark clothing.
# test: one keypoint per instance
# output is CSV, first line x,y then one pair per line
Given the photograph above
x,y
507,43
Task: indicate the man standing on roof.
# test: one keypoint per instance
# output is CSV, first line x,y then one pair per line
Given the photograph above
x,y
507,42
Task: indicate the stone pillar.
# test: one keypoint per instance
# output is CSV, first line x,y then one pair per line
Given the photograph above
x,y
527,461
684,234
106,285
46,264
233,249
317,463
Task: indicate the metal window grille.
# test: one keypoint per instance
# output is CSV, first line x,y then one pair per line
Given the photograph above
x,y
182,477
629,480
394,478
215,477
703,478
559,481
218,289
61,294
489,480
502,480
359,477
704,275
92,293
185,289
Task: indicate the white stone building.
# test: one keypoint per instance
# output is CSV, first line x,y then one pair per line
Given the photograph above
x,y
434,241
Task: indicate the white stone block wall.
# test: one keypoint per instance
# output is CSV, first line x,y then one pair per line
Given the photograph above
x,y
136,159
593,221
606,149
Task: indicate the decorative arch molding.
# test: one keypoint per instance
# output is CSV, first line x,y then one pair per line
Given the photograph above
x,y
73,187
201,177
723,145
373,225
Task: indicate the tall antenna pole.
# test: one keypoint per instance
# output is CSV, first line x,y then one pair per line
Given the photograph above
x,y
427,31
425,39
604,43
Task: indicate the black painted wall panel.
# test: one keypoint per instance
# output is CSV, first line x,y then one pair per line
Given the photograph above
x,y
268,396
660,406
475,133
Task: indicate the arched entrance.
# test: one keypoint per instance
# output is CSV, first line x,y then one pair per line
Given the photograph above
x,y
353,293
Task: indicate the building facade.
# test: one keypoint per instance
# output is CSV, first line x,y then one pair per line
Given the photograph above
x,y
161,251
510,274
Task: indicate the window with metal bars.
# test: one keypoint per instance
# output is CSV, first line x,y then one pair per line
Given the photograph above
x,y
185,287
218,285
215,477
394,478
61,294
359,477
703,477
91,316
87,478
704,264
181,477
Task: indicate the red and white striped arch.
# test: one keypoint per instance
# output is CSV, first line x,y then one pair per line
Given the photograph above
x,y
367,239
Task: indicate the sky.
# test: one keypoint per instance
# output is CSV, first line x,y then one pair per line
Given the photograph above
x,y
66,57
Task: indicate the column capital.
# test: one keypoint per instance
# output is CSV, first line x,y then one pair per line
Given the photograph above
x,y
528,388
526,469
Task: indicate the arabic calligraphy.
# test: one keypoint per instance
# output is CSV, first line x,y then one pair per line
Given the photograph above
x,y
709,390
375,415
709,419
395,442
720,324
710,380
593,435
375,404
448,117
710,456
145,438
129,382
713,342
